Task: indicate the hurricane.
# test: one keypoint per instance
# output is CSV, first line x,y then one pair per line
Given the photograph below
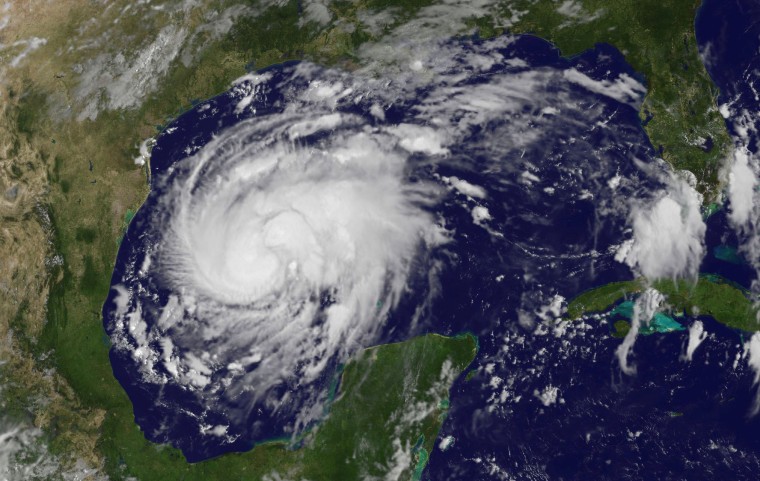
x,y
285,242
308,213
290,248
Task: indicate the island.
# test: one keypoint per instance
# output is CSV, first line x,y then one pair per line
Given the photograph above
x,y
709,295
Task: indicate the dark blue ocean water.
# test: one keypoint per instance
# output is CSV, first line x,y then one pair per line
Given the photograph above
x,y
672,420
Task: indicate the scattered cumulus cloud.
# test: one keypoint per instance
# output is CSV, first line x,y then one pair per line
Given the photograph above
x,y
548,396
24,456
576,14
316,11
624,88
465,188
28,46
752,354
125,81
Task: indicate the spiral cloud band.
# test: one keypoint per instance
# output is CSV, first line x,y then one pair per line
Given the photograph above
x,y
264,239
300,216
284,243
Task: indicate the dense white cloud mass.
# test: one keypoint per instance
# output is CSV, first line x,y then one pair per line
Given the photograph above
x,y
279,229
741,187
697,335
667,242
281,255
668,234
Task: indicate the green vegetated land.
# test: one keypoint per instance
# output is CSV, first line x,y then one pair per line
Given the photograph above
x,y
710,295
95,183
391,404
657,38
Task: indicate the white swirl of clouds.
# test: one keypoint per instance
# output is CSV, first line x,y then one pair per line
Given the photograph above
x,y
287,241
260,234
282,255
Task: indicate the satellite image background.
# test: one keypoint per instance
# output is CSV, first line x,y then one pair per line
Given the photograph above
x,y
379,240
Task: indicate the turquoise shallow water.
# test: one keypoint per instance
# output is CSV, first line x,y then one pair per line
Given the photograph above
x,y
728,254
661,323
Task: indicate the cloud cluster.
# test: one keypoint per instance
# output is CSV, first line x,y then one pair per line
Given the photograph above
x,y
743,172
752,355
25,455
668,233
275,248
646,306
285,242
268,236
